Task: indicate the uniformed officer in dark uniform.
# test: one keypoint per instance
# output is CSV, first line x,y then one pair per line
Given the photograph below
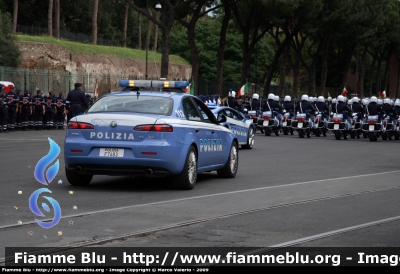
x,y
12,109
373,108
25,110
76,101
38,102
31,119
232,101
60,114
51,109
3,110
19,118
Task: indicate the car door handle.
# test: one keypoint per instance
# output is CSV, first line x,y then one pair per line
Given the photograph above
x,y
197,129
212,131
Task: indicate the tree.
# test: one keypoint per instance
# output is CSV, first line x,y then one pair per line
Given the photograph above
x,y
15,16
126,22
9,51
50,18
197,10
166,23
227,4
57,19
250,19
94,21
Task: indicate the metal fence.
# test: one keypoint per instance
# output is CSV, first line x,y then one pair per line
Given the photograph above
x,y
100,84
61,81
76,37
210,88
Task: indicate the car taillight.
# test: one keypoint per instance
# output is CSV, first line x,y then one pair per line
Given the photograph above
x,y
385,122
285,118
301,120
266,118
372,122
78,125
336,121
316,119
158,128
354,121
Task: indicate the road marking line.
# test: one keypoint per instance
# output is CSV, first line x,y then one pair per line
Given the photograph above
x,y
197,221
202,196
335,232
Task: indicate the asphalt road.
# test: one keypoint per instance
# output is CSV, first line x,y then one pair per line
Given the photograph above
x,y
286,189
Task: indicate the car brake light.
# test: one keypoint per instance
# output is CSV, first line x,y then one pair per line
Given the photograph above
x,y
158,128
316,119
301,120
336,121
78,125
371,122
76,150
266,118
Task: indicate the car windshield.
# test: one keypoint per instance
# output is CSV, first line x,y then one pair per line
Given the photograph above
x,y
132,103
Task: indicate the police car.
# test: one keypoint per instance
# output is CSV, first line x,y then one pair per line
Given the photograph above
x,y
150,128
243,128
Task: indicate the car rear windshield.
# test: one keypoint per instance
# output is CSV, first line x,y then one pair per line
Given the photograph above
x,y
133,103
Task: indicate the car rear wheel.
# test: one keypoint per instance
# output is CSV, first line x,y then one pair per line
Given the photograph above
x,y
188,177
250,139
231,166
77,179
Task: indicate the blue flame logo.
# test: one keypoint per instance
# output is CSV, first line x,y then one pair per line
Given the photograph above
x,y
45,161
45,177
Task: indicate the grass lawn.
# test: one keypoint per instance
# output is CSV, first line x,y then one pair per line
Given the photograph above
x,y
117,52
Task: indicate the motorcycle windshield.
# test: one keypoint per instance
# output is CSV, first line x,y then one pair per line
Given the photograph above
x,y
372,118
301,115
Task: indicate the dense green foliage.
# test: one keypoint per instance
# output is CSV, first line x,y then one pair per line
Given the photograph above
x,y
318,41
9,51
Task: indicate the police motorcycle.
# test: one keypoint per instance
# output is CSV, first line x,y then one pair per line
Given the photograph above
x,y
372,127
396,131
270,122
287,123
387,128
319,125
356,126
339,125
256,116
301,123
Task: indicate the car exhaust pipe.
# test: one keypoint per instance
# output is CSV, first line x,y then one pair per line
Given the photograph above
x,y
149,171
79,169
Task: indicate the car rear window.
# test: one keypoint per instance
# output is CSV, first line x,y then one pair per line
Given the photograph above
x,y
133,103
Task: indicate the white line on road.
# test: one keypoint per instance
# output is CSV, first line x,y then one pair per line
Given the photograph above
x,y
204,196
335,232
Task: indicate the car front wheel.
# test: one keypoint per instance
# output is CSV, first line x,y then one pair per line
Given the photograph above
x,y
231,165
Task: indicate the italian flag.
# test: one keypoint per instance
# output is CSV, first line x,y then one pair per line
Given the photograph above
x,y
384,94
244,89
345,91
190,88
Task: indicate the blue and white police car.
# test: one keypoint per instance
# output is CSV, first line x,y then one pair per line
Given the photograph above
x,y
243,128
150,128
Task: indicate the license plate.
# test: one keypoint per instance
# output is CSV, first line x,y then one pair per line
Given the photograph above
x,y
284,124
300,125
336,126
266,123
371,127
111,152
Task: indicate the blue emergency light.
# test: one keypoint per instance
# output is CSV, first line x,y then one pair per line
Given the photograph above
x,y
159,84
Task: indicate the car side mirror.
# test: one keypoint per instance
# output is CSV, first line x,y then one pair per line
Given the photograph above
x,y
222,119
